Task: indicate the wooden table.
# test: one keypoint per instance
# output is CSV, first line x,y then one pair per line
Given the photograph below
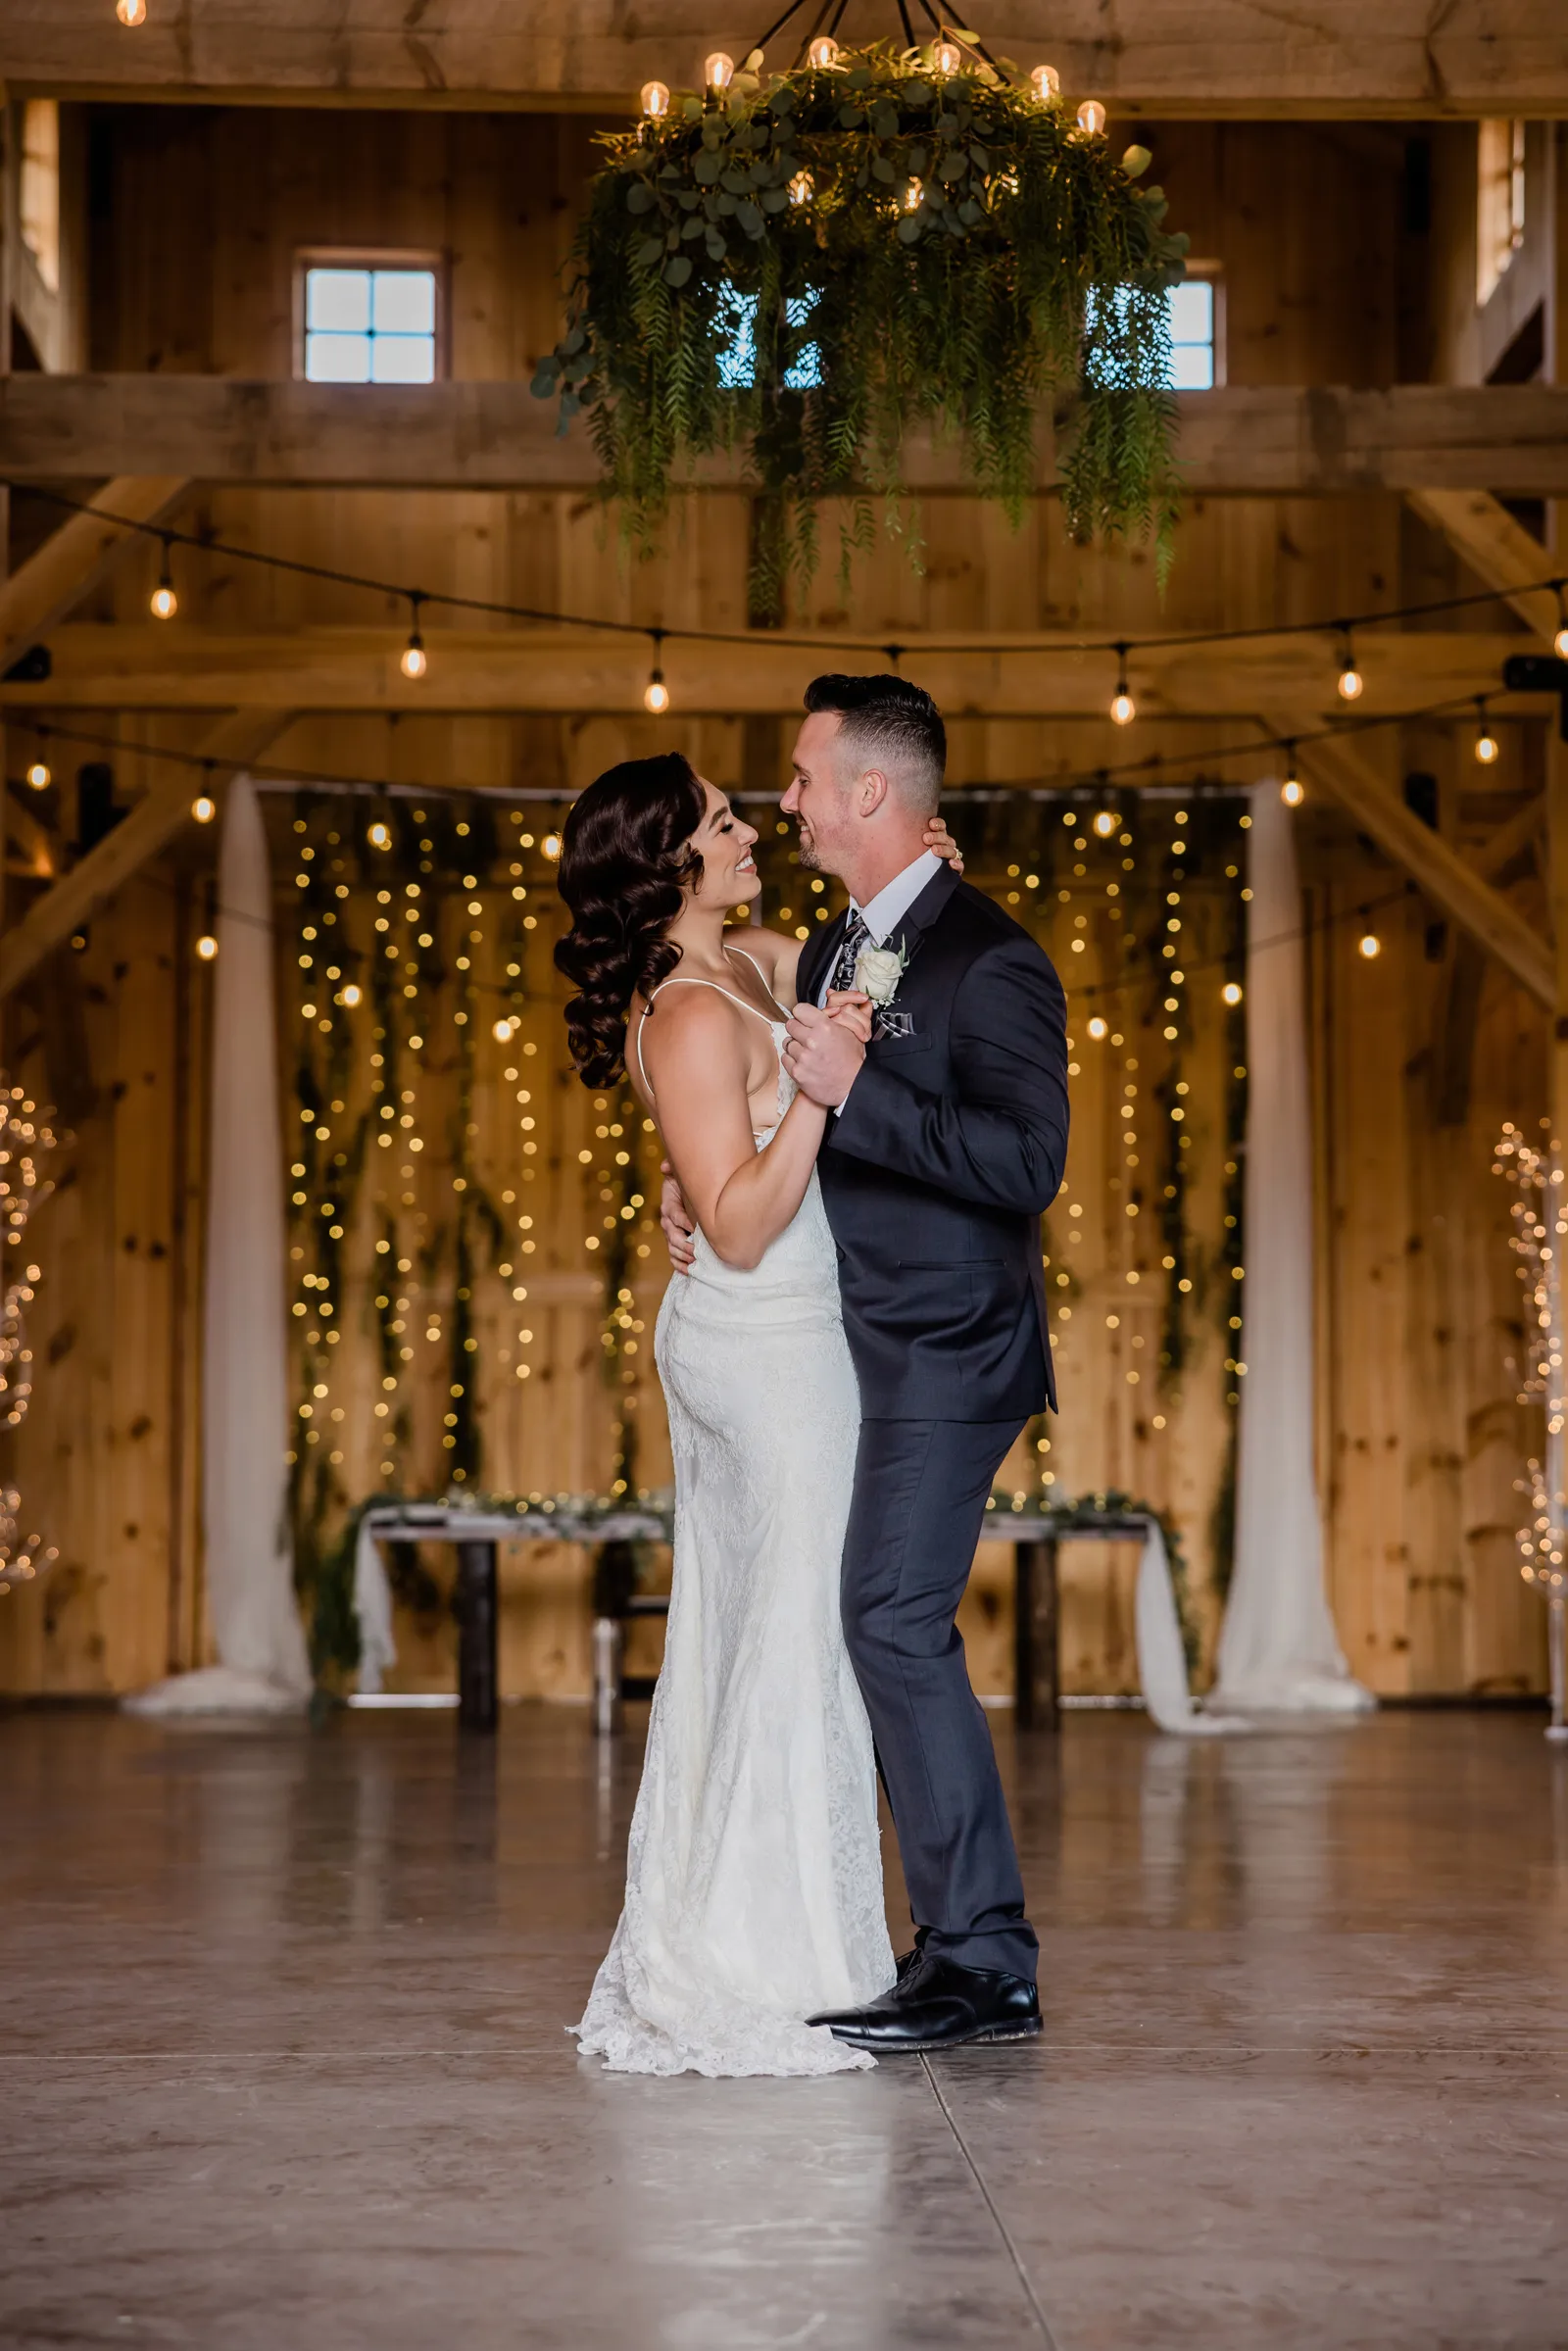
x,y
1037,1645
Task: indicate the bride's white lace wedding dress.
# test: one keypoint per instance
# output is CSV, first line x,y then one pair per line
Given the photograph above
x,y
753,1875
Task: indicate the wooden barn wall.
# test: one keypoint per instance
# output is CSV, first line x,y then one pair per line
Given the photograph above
x,y
198,216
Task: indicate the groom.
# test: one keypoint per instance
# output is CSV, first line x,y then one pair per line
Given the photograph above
x,y
948,1143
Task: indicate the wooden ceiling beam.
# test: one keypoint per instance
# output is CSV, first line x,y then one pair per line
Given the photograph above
x,y
151,667
1208,57
70,565
1239,441
1347,772
156,818
1497,549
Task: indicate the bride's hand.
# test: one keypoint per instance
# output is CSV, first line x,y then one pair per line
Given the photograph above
x,y
852,1010
939,839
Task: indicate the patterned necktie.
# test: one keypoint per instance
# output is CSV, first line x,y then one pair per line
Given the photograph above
x,y
854,938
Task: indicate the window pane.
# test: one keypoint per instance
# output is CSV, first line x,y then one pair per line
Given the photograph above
x,y
403,303
1192,367
1191,312
737,357
402,360
337,358
337,300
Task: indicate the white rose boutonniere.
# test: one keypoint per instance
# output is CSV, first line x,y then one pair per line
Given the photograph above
x,y
877,973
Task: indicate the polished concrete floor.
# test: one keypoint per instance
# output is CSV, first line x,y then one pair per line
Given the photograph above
x,y
282,2061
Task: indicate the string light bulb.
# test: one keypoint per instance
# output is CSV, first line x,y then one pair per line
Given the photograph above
x,y
1045,82
1123,709
913,195
351,995
378,834
207,946
1231,993
1559,643
822,53
655,694
1098,1028
719,71
1105,821
947,57
165,604
132,12
1351,682
204,808
1291,791
655,100
1092,118
501,1032
801,190
550,847
1486,745
1369,945
415,661
39,775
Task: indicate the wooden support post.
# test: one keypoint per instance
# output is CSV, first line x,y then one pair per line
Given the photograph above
x,y
1497,547
67,565
155,819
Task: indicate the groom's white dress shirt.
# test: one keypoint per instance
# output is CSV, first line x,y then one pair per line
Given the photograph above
x,y
884,914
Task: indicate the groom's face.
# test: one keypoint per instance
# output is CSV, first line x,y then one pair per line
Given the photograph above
x,y
819,797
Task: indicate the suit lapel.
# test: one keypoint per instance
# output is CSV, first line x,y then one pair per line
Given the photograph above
x,y
818,957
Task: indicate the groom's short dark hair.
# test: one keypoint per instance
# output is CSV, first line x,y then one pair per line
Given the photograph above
x,y
888,722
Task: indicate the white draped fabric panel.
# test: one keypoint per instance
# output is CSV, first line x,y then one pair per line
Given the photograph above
x,y
1278,1649
248,1554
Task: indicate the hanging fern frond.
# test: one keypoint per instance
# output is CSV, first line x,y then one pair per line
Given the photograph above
x,y
805,270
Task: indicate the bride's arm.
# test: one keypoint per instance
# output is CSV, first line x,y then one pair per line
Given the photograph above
x,y
698,1061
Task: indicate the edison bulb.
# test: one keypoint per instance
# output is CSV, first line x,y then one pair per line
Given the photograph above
x,y
1291,792
1369,945
1106,822
351,995
165,604
655,696
501,1032
203,809
1351,682
911,196
414,662
947,57
822,53
207,946
39,775
1123,709
379,835
801,188
550,844
132,12
1559,643
1045,82
718,70
1097,1028
1231,993
655,100
1092,118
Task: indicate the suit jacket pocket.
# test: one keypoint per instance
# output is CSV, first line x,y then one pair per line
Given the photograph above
x,y
885,1049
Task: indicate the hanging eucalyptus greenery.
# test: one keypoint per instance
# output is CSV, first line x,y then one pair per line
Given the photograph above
x,y
809,266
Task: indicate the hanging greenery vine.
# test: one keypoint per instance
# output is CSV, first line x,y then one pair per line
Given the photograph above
x,y
807,266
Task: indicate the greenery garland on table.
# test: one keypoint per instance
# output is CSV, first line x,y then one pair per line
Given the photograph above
x,y
811,265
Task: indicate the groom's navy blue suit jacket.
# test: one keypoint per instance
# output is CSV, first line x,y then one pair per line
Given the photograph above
x,y
945,1155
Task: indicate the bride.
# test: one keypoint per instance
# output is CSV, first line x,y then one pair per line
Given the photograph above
x,y
753,1875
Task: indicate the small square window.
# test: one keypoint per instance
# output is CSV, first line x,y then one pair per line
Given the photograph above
x,y
374,324
1192,335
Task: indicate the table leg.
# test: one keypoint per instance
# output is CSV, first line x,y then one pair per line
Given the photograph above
x,y
1036,1672
476,1635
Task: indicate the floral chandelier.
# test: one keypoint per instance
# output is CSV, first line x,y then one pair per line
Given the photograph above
x,y
805,264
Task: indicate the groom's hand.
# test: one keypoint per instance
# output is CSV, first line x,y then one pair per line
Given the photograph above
x,y
822,1056
675,1218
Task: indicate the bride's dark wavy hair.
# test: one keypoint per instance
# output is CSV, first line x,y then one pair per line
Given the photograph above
x,y
625,856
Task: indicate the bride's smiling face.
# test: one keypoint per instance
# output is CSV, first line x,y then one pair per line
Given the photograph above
x,y
725,843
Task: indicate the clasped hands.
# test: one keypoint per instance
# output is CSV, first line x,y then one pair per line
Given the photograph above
x,y
823,1055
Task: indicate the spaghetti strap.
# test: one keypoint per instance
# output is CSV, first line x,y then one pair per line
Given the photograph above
x,y
642,1067
762,976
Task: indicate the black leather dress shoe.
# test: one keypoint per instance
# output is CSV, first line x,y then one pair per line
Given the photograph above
x,y
940,2006
909,1959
